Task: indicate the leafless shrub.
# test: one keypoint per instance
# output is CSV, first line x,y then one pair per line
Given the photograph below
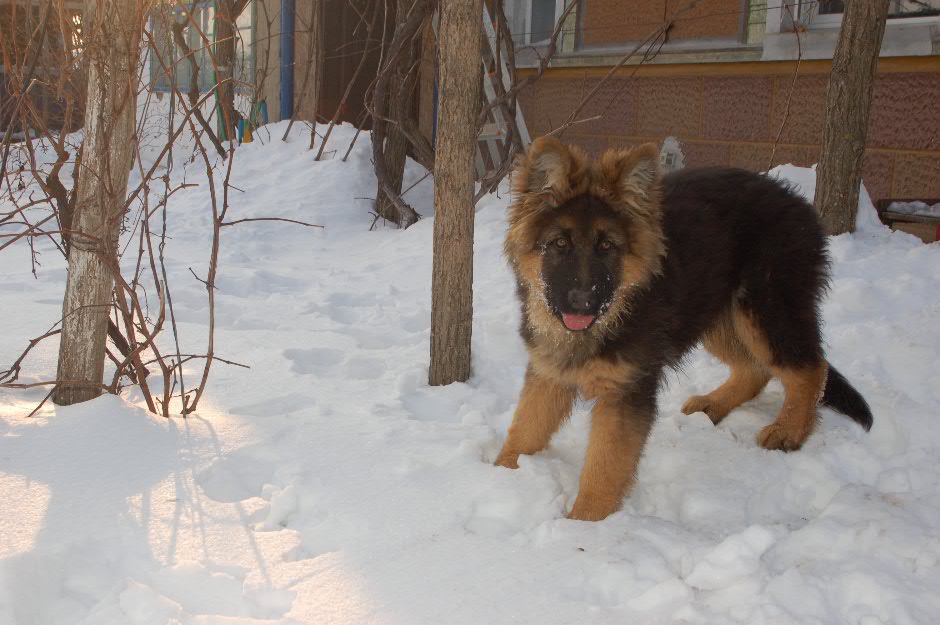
x,y
40,156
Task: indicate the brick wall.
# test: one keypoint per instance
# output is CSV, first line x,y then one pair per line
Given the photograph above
x,y
723,19
617,22
605,22
731,114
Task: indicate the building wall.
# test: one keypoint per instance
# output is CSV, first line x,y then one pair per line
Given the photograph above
x,y
610,23
267,20
732,114
335,58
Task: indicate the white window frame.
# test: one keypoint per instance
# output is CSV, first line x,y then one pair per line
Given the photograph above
x,y
904,36
520,19
808,15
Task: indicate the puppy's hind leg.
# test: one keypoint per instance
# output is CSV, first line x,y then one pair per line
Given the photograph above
x,y
744,384
802,371
543,407
797,419
748,376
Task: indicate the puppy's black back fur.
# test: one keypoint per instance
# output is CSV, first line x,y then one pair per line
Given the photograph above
x,y
735,238
731,236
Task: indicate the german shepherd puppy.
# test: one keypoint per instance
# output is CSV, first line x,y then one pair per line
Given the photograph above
x,y
620,273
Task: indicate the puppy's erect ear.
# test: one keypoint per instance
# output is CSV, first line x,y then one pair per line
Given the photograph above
x,y
632,177
550,168
544,178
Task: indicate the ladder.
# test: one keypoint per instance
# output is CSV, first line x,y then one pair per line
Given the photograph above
x,y
495,130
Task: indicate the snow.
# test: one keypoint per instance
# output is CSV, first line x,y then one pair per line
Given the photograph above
x,y
803,180
329,484
915,208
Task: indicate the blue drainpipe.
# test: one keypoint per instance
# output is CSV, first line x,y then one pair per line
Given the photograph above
x,y
287,59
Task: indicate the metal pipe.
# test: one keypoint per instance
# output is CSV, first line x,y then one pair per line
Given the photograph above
x,y
287,58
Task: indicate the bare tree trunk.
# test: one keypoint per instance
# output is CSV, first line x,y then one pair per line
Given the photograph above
x,y
102,190
848,102
452,282
400,106
225,33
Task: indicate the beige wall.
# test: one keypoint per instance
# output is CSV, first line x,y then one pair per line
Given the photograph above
x,y
268,42
268,54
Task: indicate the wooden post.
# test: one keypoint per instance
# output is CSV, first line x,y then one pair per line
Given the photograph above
x,y
107,154
452,281
848,102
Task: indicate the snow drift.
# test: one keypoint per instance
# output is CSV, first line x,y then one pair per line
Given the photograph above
x,y
329,484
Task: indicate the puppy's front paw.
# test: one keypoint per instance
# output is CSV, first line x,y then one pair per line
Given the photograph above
x,y
776,436
507,459
593,508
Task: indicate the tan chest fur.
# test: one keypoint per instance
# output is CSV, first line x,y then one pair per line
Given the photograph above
x,y
594,378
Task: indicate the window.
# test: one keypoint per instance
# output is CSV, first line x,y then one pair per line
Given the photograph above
x,y
829,12
533,21
911,29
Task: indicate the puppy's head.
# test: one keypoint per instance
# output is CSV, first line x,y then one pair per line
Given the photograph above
x,y
583,234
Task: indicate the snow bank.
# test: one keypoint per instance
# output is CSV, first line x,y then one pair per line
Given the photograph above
x,y
803,180
330,485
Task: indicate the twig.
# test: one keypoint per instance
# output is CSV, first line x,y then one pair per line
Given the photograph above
x,y
292,221
796,73
363,118
13,373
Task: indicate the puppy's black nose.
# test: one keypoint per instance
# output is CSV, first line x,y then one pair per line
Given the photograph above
x,y
580,300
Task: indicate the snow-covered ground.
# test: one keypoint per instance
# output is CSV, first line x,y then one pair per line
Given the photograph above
x,y
329,484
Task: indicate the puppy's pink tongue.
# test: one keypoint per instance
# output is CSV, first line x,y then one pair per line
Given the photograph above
x,y
577,322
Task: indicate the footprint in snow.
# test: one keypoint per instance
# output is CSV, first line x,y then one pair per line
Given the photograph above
x,y
353,300
418,321
212,592
346,315
239,475
315,360
273,406
518,507
370,340
427,405
257,283
364,368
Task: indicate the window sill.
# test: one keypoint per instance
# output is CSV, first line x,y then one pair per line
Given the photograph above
x,y
829,22
915,36
693,51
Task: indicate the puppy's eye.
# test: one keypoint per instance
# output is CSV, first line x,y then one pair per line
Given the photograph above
x,y
561,243
605,245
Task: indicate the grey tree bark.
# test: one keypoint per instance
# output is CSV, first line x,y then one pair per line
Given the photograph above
x,y
107,152
848,102
460,31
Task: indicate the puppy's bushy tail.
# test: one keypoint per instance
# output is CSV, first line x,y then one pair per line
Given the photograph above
x,y
842,397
